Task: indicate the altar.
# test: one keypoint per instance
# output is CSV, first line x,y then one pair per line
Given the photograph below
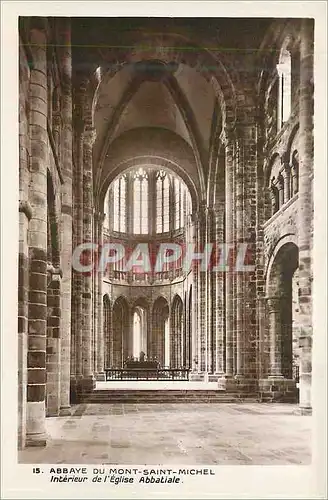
x,y
141,365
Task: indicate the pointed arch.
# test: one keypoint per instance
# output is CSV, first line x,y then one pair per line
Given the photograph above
x,y
160,331
176,344
121,331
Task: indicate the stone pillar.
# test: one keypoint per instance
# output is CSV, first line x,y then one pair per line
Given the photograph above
x,y
209,299
88,381
240,299
305,214
110,337
218,302
229,238
286,180
194,320
25,214
263,344
201,282
294,177
248,279
66,214
53,343
94,287
99,221
281,195
37,238
273,308
77,277
274,198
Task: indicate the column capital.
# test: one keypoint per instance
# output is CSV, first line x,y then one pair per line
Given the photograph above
x,y
286,171
273,187
26,208
57,119
89,136
100,216
227,136
273,304
285,159
280,181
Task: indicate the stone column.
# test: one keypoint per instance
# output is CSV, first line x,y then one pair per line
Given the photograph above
x,y
240,299
94,302
281,195
77,277
25,214
53,343
246,233
37,238
194,320
219,311
88,381
209,300
274,198
286,179
305,214
66,215
229,230
294,177
100,313
274,313
201,282
110,337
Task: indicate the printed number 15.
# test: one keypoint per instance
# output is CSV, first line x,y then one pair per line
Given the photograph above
x,y
36,470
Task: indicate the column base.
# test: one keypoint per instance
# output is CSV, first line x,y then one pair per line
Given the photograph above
x,y
221,379
36,440
65,411
213,377
86,385
278,389
196,377
81,387
101,377
241,385
303,411
73,397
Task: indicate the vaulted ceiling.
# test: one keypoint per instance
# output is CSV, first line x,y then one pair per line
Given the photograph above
x,y
149,79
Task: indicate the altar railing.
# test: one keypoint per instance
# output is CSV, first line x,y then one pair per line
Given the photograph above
x,y
178,374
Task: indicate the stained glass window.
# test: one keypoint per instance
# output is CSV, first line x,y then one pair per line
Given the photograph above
x,y
119,212
140,202
162,202
284,69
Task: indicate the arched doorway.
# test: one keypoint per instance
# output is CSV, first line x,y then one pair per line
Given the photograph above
x,y
139,336
161,332
108,336
190,326
177,346
282,315
120,328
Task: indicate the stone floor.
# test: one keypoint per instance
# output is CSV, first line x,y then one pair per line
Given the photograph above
x,y
189,434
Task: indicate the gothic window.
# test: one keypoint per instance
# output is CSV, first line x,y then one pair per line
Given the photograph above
x,y
145,200
140,202
162,202
294,173
179,204
136,334
106,211
119,212
284,69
